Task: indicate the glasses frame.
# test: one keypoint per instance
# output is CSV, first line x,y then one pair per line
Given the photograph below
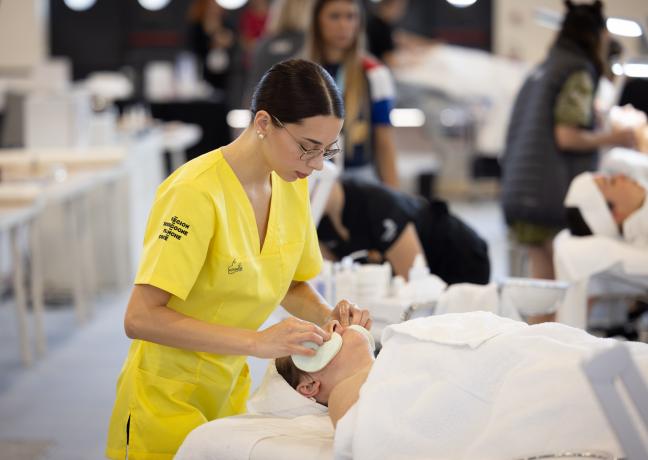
x,y
310,154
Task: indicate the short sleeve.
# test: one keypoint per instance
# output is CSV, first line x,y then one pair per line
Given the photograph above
x,y
382,90
179,230
574,103
387,216
310,263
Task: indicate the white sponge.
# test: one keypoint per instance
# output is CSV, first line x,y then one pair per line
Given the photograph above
x,y
324,354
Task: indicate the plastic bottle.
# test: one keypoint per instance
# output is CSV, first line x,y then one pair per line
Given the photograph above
x,y
345,280
418,275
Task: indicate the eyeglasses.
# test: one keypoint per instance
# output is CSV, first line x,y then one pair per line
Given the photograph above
x,y
309,154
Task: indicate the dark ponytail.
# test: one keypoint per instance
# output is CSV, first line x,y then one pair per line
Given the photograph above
x,y
584,25
296,89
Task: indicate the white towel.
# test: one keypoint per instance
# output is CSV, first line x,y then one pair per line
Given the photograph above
x,y
519,393
234,438
577,259
463,330
466,297
276,397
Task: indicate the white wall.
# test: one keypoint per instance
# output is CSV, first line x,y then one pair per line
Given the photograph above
x,y
517,35
23,25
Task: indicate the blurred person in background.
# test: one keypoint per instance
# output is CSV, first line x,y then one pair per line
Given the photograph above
x,y
381,22
396,227
252,26
552,135
211,38
336,41
283,39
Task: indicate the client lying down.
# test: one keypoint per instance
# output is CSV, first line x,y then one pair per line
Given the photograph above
x,y
470,385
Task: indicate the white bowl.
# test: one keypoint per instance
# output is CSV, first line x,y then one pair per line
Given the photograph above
x,y
532,297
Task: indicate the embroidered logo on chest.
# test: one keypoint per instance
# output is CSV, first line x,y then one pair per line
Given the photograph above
x,y
234,267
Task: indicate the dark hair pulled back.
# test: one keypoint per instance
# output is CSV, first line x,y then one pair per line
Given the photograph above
x,y
297,89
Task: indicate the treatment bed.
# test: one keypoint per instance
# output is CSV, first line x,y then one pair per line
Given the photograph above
x,y
518,406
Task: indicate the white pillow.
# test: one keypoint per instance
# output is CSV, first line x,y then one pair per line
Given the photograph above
x,y
276,397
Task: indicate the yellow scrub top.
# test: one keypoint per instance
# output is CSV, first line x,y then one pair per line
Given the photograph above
x,y
202,246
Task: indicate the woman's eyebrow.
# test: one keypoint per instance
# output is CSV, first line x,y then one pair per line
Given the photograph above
x,y
318,142
312,140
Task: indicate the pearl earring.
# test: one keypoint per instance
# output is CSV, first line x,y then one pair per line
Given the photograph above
x,y
261,136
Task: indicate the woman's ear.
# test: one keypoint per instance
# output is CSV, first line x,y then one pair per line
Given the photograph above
x,y
262,122
308,388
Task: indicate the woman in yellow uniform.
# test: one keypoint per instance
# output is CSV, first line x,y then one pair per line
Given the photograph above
x,y
229,238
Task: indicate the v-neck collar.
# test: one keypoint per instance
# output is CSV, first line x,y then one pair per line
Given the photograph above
x,y
246,206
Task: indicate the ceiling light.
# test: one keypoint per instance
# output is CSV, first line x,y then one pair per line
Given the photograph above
x,y
231,4
461,3
623,27
407,118
239,118
80,5
636,70
153,5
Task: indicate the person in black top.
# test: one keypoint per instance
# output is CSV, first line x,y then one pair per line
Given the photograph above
x,y
364,215
210,36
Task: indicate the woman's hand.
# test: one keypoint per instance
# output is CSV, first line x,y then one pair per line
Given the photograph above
x,y
286,338
348,313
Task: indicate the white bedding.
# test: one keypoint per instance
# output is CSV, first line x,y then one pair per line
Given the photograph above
x,y
589,264
260,437
282,424
510,391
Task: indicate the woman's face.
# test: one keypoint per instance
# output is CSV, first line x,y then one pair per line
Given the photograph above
x,y
354,355
623,195
339,21
285,154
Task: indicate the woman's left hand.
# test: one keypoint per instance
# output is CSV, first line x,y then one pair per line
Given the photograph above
x,y
348,313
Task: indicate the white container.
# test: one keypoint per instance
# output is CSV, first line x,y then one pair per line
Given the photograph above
x,y
57,119
159,81
345,281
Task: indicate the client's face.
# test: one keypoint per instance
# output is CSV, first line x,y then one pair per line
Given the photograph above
x,y
354,355
623,195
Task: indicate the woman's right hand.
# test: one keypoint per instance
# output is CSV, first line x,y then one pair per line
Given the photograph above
x,y
286,338
624,137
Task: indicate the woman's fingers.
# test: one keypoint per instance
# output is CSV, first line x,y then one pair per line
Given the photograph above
x,y
361,317
300,350
344,312
307,337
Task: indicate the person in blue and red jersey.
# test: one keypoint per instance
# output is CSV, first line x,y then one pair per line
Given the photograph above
x,y
336,41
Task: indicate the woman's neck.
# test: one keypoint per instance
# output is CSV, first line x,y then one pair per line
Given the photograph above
x,y
246,160
333,55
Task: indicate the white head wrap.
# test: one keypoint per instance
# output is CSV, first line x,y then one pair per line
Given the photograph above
x,y
585,195
276,397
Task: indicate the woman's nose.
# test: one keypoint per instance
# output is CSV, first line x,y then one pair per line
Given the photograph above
x,y
316,163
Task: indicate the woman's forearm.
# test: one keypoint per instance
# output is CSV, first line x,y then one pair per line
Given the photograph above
x,y
385,151
148,318
402,253
304,302
577,139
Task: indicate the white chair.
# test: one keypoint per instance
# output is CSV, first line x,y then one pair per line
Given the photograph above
x,y
602,370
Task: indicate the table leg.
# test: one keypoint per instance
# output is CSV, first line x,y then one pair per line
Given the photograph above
x,y
76,253
20,296
37,287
